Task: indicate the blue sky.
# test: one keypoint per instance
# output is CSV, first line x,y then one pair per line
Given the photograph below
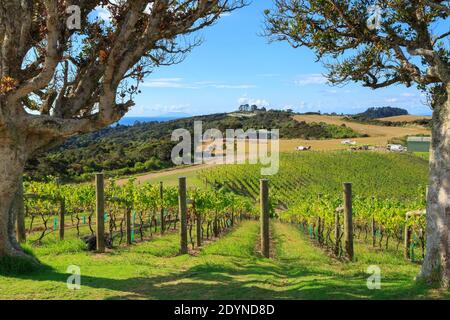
x,y
236,65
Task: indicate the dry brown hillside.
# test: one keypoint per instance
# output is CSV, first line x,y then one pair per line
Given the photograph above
x,y
378,135
407,118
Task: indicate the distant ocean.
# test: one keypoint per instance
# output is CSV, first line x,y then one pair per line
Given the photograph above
x,y
129,121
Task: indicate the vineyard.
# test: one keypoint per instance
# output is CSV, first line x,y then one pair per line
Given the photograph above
x,y
211,228
132,213
308,191
306,237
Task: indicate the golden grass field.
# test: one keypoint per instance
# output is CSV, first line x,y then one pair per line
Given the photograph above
x,y
407,118
378,135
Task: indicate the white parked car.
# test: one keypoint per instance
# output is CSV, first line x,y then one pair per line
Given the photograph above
x,y
349,142
396,148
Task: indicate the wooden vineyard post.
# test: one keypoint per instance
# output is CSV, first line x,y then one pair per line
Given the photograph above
x,y
264,198
348,223
374,231
408,233
215,226
182,202
199,229
198,223
337,232
161,196
100,211
319,224
128,225
232,217
62,214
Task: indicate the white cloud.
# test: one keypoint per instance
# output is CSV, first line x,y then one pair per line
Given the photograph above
x,y
304,106
231,86
204,83
259,102
310,79
165,83
178,83
392,100
336,91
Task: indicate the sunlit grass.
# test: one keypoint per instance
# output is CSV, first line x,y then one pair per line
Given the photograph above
x,y
229,268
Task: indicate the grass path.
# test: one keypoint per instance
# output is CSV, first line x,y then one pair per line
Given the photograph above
x,y
150,270
311,274
226,269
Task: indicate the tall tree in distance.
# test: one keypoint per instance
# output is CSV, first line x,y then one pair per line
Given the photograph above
x,y
392,42
65,72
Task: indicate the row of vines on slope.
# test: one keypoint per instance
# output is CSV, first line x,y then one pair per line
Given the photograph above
x,y
308,190
381,222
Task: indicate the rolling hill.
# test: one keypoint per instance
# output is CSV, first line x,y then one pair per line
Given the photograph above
x,y
142,147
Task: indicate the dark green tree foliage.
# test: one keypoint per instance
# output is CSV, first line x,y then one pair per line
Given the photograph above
x,y
382,112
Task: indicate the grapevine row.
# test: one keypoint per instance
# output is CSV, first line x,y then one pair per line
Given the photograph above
x,y
149,208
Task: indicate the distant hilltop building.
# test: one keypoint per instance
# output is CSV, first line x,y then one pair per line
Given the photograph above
x,y
418,144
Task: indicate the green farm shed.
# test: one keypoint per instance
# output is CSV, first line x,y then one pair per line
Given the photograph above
x,y
418,144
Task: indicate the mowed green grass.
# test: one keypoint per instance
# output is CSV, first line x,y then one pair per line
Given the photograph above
x,y
423,155
312,274
229,268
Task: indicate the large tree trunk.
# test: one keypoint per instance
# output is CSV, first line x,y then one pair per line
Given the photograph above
x,y
436,266
12,161
19,209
